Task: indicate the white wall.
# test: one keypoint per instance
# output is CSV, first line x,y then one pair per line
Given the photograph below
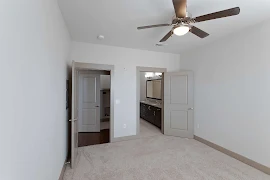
x,y
105,81
34,46
232,92
125,61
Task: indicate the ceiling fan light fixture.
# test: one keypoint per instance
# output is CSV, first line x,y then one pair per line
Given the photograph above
x,y
181,30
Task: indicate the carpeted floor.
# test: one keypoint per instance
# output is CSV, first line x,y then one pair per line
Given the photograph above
x,y
158,157
148,130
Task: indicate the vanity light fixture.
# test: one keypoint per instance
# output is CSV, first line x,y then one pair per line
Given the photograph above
x,y
149,74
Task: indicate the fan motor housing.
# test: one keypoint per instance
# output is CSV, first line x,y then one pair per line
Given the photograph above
x,y
186,20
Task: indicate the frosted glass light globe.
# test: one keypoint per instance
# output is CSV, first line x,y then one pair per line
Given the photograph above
x,y
181,30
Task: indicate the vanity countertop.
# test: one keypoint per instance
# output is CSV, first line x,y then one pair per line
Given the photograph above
x,y
158,105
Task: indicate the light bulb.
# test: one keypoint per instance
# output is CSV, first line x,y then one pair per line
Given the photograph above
x,y
181,30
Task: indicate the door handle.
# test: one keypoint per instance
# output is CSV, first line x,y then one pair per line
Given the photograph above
x,y
97,106
190,108
73,120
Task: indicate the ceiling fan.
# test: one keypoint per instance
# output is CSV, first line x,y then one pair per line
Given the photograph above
x,y
182,23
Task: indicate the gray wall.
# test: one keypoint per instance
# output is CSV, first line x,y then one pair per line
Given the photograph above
x,y
105,81
232,92
125,61
34,51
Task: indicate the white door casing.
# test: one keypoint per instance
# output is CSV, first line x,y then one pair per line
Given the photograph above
x,y
76,66
178,104
89,102
74,117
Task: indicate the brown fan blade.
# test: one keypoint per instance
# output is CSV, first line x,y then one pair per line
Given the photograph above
x,y
153,26
180,8
167,36
220,14
198,32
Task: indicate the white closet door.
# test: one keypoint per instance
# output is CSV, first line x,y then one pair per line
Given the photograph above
x,y
178,104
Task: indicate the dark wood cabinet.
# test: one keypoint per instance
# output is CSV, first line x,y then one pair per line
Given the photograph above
x,y
151,114
158,117
143,111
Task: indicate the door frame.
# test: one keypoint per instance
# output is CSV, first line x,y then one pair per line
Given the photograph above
x,y
102,67
140,69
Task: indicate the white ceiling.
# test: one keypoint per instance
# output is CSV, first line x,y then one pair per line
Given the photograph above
x,y
118,20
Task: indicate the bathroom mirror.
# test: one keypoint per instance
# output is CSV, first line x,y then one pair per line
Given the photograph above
x,y
153,89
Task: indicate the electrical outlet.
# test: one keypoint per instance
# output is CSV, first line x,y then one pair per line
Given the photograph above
x,y
198,126
124,126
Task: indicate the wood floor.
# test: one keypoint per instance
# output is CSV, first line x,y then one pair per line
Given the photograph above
x,y
87,139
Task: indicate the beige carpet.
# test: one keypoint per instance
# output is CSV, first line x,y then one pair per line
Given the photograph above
x,y
158,157
148,130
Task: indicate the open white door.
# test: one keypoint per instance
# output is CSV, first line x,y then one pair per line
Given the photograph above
x,y
74,116
89,102
178,104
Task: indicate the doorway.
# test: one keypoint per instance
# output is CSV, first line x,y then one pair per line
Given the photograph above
x,y
87,97
93,107
150,85
150,103
175,104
